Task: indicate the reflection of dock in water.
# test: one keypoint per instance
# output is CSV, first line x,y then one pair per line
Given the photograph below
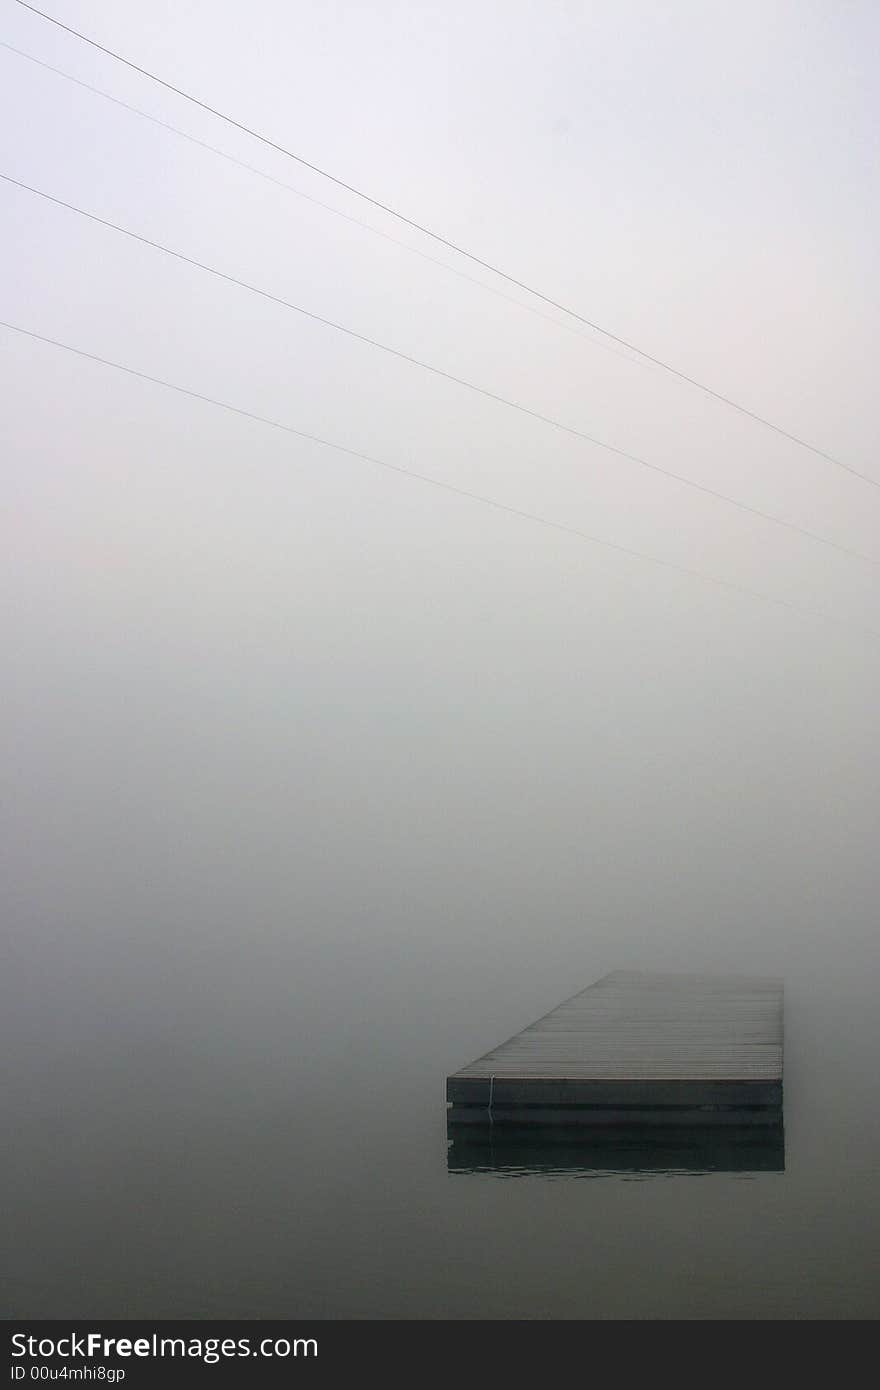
x,y
623,1149
637,1073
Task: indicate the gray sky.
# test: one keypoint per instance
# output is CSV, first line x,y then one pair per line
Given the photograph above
x,y
376,701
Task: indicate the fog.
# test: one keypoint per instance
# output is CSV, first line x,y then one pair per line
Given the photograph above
x,y
320,780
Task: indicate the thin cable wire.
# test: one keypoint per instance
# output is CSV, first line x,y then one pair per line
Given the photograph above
x,y
446,376
484,500
328,207
460,250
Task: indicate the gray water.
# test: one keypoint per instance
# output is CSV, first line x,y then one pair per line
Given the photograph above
x,y
256,920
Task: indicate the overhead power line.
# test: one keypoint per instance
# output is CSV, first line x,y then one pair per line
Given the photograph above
x,y
481,498
358,222
458,249
442,373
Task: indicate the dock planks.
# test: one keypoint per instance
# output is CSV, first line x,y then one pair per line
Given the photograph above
x,y
638,1048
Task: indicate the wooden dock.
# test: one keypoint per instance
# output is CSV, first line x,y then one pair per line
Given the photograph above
x,y
633,1049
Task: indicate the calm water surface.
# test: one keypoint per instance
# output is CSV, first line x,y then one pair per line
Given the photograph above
x,y
276,868
247,1137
